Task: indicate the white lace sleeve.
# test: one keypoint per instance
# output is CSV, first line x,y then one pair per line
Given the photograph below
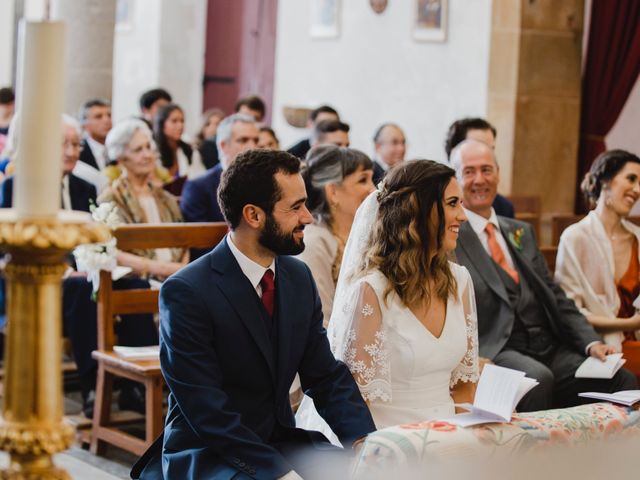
x,y
468,370
365,351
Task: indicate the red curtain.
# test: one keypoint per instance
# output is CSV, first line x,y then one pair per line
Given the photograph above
x,y
611,70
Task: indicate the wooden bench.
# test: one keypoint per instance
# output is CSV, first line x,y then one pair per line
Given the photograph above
x,y
121,302
528,208
560,222
550,253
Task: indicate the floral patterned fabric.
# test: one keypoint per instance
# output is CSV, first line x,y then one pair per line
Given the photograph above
x,y
429,441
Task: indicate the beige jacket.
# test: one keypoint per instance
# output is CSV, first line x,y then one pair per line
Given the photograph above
x,y
585,269
321,248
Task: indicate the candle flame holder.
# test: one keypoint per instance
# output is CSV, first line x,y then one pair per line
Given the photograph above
x,y
32,428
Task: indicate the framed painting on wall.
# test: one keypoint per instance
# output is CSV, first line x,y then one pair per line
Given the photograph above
x,y
324,18
430,24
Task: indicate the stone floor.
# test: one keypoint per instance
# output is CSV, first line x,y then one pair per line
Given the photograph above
x,y
114,464
82,464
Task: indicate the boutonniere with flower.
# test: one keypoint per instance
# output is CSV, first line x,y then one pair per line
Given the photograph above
x,y
93,257
515,238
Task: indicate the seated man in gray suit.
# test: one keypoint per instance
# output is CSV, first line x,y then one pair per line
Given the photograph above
x,y
525,321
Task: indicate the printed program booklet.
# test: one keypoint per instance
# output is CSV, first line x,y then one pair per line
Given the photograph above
x,y
595,368
138,353
624,397
499,391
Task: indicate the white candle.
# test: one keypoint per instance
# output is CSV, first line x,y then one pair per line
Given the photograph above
x,y
40,91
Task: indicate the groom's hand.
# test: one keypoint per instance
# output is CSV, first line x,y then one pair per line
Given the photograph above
x,y
600,351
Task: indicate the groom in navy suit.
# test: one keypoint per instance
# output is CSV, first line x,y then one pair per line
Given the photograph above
x,y
235,327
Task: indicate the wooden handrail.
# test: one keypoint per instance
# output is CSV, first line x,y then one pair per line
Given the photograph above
x,y
169,235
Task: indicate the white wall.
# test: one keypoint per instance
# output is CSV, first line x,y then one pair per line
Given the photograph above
x,y
182,43
7,39
162,47
625,132
136,57
374,72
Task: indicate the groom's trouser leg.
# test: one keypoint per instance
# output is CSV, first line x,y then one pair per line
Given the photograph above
x,y
540,397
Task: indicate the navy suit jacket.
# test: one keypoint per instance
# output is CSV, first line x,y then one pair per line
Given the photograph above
x,y
82,193
503,206
378,172
199,201
300,149
229,399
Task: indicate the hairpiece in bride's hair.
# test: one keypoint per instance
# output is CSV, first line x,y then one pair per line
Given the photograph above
x,y
385,196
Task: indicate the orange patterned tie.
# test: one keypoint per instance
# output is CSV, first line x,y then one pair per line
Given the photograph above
x,y
498,255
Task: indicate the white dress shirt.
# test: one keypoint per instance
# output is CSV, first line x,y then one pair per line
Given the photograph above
x,y
99,151
252,270
66,195
479,225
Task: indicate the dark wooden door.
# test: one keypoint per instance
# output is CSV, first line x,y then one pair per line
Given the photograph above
x,y
240,52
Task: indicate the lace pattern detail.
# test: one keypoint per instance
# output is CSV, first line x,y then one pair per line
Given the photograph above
x,y
468,369
366,350
370,370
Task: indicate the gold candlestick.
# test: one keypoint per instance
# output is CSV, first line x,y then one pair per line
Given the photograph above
x,y
32,428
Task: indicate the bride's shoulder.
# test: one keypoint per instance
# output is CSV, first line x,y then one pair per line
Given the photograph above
x,y
375,278
460,273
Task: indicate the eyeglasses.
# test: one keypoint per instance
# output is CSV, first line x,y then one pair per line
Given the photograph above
x,y
74,145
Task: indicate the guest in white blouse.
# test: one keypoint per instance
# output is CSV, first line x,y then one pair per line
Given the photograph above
x,y
598,264
139,200
338,179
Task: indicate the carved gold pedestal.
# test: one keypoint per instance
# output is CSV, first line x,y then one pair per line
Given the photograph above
x,y
32,428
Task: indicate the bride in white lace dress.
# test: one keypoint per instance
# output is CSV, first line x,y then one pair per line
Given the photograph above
x,y
404,317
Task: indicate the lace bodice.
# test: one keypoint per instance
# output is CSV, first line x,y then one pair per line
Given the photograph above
x,y
394,357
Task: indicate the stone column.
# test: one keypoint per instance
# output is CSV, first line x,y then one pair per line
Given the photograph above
x,y
89,55
534,96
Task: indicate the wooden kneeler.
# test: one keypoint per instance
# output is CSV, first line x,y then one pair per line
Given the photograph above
x,y
121,302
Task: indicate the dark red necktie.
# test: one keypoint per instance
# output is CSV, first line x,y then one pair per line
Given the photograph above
x,y
268,290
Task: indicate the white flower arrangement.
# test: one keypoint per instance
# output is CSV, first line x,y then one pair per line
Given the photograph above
x,y
93,257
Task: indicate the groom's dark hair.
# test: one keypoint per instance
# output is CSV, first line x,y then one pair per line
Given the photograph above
x,y
250,179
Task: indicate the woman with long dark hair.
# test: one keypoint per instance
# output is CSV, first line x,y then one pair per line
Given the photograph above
x,y
404,317
176,155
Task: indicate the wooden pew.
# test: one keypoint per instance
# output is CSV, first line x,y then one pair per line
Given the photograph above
x,y
560,222
528,208
119,302
550,253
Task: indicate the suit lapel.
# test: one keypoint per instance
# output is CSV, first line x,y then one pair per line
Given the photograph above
x,y
284,317
525,265
470,243
87,155
241,295
74,194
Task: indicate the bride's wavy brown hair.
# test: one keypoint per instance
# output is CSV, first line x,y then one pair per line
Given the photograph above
x,y
403,239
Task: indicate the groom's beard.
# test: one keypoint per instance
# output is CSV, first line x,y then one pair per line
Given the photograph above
x,y
279,242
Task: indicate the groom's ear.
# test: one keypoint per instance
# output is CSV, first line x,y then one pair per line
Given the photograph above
x,y
254,216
